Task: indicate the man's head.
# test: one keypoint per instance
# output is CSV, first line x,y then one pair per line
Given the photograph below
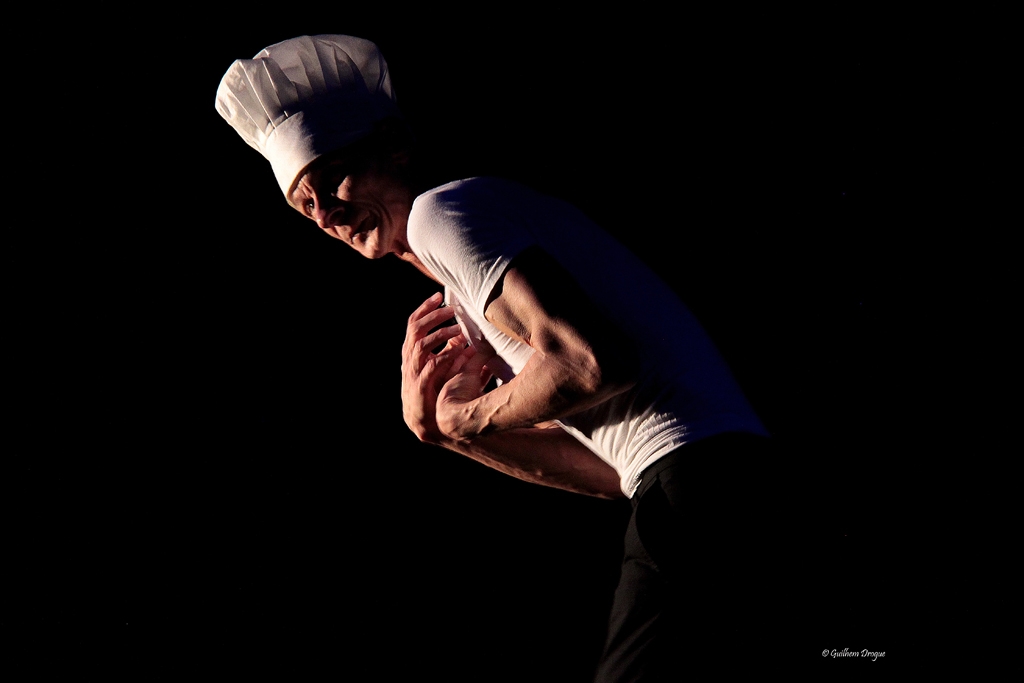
x,y
361,194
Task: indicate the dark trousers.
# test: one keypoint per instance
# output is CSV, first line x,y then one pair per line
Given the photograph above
x,y
705,561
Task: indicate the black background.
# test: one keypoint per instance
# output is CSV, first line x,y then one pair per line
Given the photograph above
x,y
206,452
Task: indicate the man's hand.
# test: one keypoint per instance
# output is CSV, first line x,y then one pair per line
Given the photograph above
x,y
450,382
423,371
465,385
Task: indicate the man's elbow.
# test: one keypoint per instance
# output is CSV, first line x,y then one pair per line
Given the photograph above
x,y
607,375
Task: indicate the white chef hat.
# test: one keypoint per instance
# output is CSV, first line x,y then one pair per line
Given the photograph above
x,y
304,97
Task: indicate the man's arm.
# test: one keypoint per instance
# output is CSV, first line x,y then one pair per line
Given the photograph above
x,y
580,358
548,456
545,455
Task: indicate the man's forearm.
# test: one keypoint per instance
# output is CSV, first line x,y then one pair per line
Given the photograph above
x,y
547,388
546,456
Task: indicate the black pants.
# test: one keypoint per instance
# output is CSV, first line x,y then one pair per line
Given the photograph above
x,y
705,567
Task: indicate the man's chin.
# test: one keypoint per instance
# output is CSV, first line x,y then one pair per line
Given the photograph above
x,y
372,249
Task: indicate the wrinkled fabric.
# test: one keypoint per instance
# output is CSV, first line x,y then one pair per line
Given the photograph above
x,y
304,97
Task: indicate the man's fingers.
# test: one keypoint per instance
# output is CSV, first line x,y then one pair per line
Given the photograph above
x,y
461,355
441,336
430,313
425,324
435,368
431,303
433,319
477,364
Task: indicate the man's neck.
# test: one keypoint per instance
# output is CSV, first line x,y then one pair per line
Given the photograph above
x,y
410,257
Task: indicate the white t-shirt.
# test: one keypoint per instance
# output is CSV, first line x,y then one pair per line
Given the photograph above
x,y
467,233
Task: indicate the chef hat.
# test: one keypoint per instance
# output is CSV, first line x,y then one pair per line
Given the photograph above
x,y
304,97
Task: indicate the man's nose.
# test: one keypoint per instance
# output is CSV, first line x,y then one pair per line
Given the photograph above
x,y
323,206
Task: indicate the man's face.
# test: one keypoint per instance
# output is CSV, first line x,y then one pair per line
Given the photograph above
x,y
366,206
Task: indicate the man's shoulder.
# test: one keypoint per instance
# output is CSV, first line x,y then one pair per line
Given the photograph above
x,y
470,203
477,189
478,215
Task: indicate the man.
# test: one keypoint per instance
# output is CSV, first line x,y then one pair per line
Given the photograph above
x,y
604,382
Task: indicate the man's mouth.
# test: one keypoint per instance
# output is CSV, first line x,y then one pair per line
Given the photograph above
x,y
365,226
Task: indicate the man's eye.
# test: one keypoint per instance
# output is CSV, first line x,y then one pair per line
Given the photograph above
x,y
309,207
